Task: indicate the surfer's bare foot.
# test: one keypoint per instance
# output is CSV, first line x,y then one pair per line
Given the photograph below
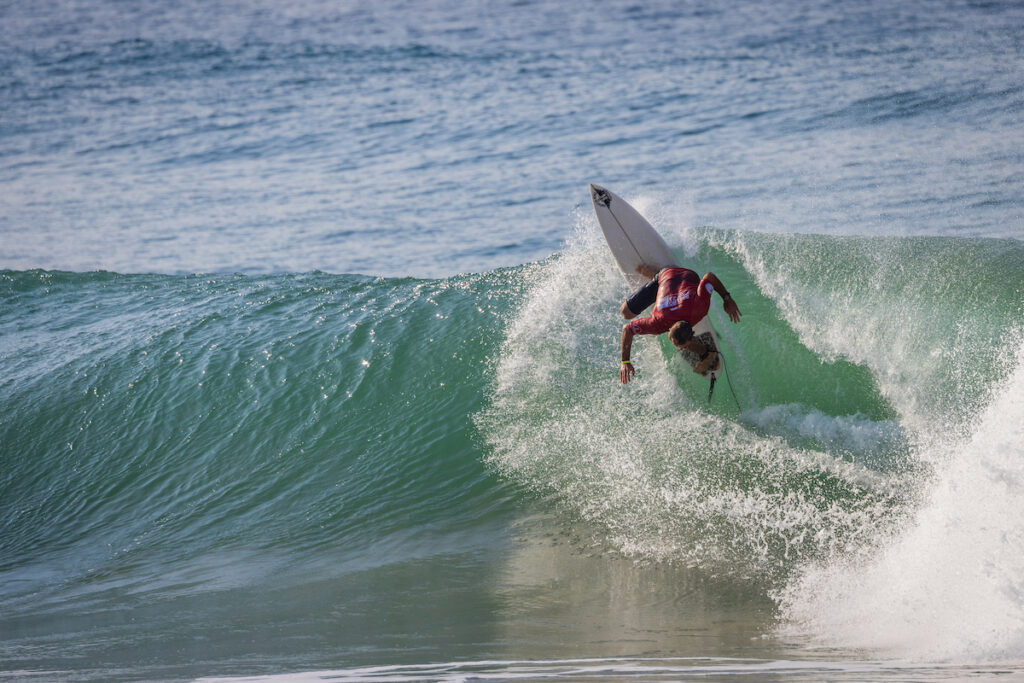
x,y
646,271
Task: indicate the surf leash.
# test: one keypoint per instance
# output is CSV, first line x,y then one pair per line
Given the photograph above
x,y
733,391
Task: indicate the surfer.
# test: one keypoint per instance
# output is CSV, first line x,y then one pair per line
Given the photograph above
x,y
681,300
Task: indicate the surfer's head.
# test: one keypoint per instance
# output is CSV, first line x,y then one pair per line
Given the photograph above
x,y
680,333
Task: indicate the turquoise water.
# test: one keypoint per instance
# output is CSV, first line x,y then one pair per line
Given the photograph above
x,y
309,341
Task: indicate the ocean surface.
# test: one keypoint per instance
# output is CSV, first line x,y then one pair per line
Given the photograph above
x,y
309,341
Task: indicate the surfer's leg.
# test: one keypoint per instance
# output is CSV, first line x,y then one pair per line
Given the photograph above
x,y
641,299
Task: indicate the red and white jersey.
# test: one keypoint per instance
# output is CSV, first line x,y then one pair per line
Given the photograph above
x,y
680,297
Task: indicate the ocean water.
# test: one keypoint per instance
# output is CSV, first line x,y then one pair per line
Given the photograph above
x,y
309,342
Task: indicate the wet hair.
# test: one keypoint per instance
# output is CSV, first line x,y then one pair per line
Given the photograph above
x,y
680,333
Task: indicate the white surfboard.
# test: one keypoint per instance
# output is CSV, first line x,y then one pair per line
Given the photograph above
x,y
634,242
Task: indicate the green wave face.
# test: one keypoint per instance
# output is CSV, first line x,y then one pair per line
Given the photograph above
x,y
933,319
150,420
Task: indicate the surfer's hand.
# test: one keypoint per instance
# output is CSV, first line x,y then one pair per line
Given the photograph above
x,y
626,372
732,310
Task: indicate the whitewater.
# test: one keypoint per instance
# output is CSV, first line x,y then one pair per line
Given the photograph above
x,y
309,342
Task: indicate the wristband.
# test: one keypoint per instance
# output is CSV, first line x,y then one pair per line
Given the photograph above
x,y
627,362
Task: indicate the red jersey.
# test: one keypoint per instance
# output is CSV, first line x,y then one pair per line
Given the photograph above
x,y
679,298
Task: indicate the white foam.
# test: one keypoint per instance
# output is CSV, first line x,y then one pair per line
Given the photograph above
x,y
950,586
851,433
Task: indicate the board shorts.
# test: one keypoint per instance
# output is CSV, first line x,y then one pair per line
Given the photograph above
x,y
676,296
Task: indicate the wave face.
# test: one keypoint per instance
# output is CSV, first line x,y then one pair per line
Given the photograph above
x,y
166,435
152,422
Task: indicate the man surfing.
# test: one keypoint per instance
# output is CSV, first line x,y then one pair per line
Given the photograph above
x,y
681,300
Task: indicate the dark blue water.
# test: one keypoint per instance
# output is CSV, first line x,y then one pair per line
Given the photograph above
x,y
342,398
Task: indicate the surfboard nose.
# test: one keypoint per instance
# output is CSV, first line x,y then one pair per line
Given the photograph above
x,y
599,194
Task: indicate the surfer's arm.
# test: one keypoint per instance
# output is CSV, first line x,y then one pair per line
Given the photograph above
x,y
731,309
626,367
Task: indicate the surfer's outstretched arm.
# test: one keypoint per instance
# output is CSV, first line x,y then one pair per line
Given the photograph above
x,y
731,309
626,371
